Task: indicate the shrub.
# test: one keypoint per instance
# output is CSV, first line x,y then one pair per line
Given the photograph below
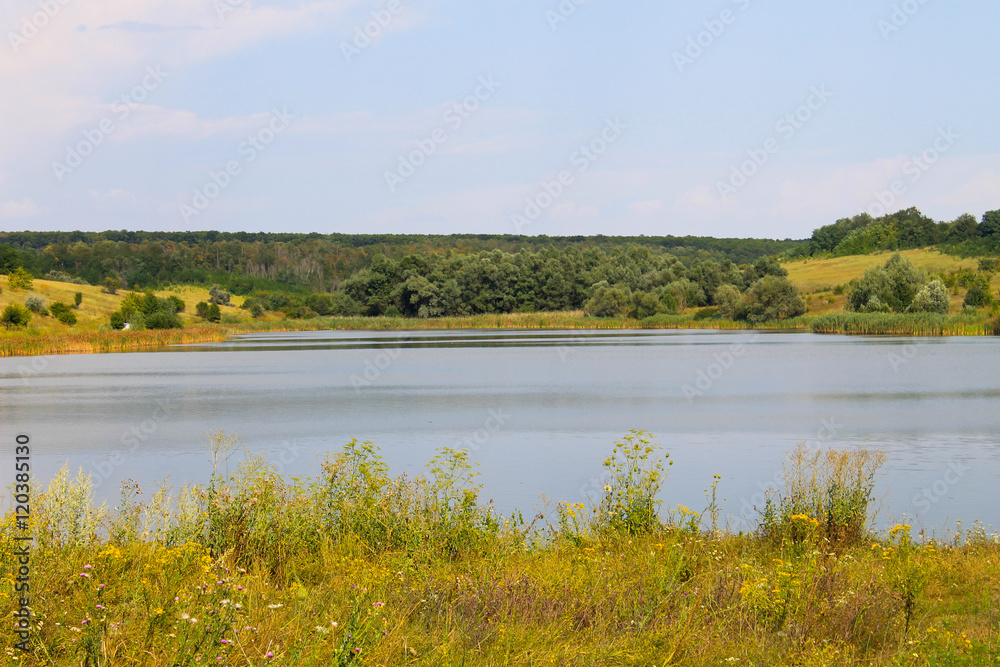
x,y
933,298
635,475
63,277
826,490
177,302
162,319
63,313
77,299
979,295
707,313
20,279
208,311
989,265
15,316
112,283
117,320
218,296
35,304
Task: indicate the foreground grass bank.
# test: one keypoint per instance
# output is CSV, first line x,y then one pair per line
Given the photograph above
x,y
359,568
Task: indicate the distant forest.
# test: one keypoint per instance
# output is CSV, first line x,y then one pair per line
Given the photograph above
x,y
303,275
243,261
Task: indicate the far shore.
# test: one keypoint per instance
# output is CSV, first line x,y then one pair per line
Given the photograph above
x,y
24,344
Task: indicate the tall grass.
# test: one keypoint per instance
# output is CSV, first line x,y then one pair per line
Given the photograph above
x,y
826,496
903,324
356,567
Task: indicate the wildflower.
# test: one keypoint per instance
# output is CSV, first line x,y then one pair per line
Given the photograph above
x,y
277,605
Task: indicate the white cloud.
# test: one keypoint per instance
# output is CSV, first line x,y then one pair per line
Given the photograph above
x,y
646,207
22,209
569,211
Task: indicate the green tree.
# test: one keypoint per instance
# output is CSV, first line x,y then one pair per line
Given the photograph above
x,y
112,283
648,304
979,295
20,279
963,228
888,288
991,223
732,305
772,298
933,298
15,316
201,310
608,302
117,320
213,314
77,299
10,260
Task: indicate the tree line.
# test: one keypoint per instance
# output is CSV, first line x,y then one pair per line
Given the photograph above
x,y
906,229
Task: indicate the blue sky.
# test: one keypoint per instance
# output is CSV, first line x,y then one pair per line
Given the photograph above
x,y
724,118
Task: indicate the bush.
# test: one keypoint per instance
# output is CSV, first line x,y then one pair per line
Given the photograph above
x,y
218,296
35,304
112,283
63,277
77,299
20,279
162,319
979,295
63,313
177,302
208,311
117,320
933,298
15,316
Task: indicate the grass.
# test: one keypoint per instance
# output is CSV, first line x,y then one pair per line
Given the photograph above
x,y
906,324
817,278
356,567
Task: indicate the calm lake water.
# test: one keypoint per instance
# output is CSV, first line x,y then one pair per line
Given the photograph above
x,y
540,410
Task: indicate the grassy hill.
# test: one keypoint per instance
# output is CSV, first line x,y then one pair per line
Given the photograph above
x,y
817,278
96,307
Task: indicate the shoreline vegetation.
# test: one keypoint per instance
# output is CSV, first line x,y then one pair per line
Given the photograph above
x,y
356,567
25,343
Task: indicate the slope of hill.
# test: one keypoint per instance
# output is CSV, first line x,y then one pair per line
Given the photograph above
x,y
817,278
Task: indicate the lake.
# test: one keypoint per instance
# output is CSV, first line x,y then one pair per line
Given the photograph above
x,y
539,410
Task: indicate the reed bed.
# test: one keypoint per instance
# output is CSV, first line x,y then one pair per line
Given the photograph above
x,y
21,344
904,324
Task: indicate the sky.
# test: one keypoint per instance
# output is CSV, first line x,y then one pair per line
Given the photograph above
x,y
728,118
